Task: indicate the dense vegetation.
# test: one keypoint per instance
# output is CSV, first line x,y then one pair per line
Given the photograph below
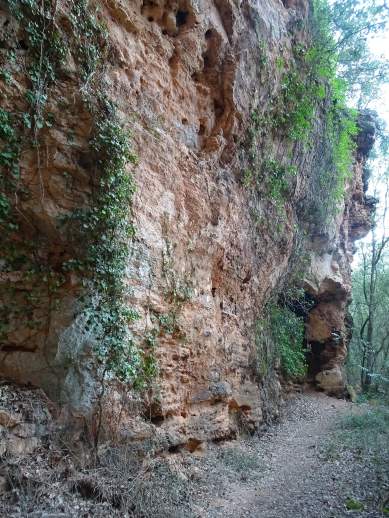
x,y
368,362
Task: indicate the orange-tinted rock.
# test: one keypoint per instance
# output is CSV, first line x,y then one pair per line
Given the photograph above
x,y
186,78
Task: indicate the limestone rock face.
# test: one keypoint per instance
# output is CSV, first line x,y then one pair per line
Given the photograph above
x,y
186,76
24,420
329,278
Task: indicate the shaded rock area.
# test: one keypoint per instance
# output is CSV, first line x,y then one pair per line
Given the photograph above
x,y
25,420
206,257
329,280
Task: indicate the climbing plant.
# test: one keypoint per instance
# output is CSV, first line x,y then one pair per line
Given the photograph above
x,y
102,231
286,331
306,110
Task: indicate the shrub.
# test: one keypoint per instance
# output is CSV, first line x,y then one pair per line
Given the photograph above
x,y
288,333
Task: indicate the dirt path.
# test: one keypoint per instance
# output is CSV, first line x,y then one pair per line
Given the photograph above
x,y
299,468
293,478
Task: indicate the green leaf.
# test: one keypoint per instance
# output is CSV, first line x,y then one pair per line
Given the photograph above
x,y
353,505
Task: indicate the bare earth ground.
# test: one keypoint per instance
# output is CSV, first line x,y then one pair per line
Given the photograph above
x,y
298,468
298,473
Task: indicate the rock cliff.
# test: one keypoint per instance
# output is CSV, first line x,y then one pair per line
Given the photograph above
x,y
194,82
329,277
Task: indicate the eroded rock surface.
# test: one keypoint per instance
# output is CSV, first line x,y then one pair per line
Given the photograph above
x,y
186,76
329,279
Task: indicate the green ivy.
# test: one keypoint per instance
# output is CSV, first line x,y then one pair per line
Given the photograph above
x,y
105,230
91,38
309,91
287,331
277,178
9,162
102,232
47,51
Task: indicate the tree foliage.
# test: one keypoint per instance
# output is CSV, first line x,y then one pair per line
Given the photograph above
x,y
354,24
369,351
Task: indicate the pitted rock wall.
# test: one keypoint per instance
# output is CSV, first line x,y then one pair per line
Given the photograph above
x,y
186,76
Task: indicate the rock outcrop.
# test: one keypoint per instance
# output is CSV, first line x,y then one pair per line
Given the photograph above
x,y
206,255
329,279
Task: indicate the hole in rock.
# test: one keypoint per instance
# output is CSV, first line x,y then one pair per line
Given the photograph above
x,y
314,359
247,278
87,489
174,449
173,61
150,19
213,292
181,18
84,160
157,419
218,107
184,121
207,61
23,45
208,34
116,501
300,307
193,444
201,129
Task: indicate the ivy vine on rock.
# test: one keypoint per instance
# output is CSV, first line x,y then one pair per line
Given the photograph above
x,y
103,230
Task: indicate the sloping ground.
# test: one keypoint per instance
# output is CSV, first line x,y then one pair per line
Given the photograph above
x,y
323,457
314,464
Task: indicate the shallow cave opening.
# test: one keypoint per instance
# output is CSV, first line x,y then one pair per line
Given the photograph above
x,y
23,45
314,359
181,18
300,306
218,107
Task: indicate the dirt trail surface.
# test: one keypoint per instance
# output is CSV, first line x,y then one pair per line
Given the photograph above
x,y
298,468
294,476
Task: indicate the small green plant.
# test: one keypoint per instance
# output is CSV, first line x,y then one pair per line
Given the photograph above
x,y
248,178
280,62
9,160
353,505
277,179
167,322
263,54
265,352
6,76
287,332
